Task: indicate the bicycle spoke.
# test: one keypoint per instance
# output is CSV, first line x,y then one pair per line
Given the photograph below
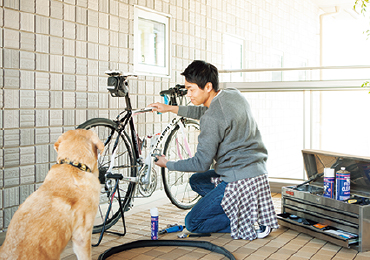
x,y
176,184
117,156
177,179
175,152
185,194
101,214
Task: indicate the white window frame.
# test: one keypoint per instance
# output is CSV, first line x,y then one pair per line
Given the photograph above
x,y
232,39
142,68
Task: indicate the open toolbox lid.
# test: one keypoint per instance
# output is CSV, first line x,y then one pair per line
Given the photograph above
x,y
359,167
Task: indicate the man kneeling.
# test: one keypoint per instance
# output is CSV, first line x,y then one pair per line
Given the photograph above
x,y
236,194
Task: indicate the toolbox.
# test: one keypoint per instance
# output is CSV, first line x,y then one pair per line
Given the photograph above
x,y
344,223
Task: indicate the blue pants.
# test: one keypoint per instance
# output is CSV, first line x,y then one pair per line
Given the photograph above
x,y
207,216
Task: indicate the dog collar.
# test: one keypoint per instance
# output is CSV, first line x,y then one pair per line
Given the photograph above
x,y
78,165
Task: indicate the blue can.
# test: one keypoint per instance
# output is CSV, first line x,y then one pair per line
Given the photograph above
x,y
329,187
154,223
329,180
343,184
154,233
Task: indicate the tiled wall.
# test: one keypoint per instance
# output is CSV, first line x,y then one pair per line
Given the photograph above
x,y
54,54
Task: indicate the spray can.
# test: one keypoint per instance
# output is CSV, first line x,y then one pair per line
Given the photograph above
x,y
329,183
154,223
342,183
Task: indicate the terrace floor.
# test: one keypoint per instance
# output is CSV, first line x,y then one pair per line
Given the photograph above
x,y
282,243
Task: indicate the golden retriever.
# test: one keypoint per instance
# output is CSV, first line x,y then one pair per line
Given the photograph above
x,y
63,208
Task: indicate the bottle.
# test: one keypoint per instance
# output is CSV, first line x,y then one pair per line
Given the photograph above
x,y
342,184
154,223
329,183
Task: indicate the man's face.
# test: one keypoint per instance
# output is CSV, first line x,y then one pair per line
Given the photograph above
x,y
197,95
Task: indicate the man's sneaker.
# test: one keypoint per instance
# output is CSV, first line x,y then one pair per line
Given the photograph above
x,y
263,232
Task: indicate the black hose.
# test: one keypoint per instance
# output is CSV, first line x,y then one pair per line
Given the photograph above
x,y
313,178
150,243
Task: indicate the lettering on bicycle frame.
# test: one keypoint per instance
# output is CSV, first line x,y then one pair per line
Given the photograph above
x,y
168,127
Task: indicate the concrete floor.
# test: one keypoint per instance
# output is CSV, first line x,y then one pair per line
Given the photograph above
x,y
282,243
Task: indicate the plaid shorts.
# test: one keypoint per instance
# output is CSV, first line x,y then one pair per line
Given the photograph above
x,y
247,202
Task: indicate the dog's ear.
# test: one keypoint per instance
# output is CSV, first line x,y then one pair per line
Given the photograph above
x,y
99,144
57,143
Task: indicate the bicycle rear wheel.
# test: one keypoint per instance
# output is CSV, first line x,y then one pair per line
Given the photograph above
x,y
178,146
125,162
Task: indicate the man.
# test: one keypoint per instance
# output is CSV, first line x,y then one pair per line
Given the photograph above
x,y
236,194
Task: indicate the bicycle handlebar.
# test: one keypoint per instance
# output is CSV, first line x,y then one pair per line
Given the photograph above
x,y
117,85
170,95
178,90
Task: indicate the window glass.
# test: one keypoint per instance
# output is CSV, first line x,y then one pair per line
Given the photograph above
x,y
233,57
343,123
152,42
279,116
153,49
289,121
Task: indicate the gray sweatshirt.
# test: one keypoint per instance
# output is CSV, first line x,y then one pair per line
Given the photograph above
x,y
229,135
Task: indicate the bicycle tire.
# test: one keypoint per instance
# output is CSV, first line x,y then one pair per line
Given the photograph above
x,y
107,132
176,184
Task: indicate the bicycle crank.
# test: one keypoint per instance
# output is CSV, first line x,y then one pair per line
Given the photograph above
x,y
147,190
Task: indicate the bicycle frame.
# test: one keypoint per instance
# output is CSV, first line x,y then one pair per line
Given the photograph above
x,y
118,86
127,167
154,150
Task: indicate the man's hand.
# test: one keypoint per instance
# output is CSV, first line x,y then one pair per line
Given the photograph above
x,y
163,108
161,162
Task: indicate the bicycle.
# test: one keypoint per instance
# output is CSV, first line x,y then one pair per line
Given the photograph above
x,y
121,165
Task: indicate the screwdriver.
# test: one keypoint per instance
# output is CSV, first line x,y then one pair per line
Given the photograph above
x,y
171,229
185,235
364,201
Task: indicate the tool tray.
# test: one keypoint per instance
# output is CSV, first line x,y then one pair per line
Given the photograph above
x,y
338,222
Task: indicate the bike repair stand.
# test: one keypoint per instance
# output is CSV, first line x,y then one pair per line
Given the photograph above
x,y
117,177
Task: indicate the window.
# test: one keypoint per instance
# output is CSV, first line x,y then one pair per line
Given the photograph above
x,y
233,57
152,42
277,61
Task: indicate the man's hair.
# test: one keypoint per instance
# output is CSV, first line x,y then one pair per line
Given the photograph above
x,y
200,73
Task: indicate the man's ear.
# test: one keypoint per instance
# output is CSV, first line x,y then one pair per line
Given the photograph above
x,y
208,87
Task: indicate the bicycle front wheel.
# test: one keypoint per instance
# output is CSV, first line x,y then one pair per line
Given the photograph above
x,y
181,144
124,163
